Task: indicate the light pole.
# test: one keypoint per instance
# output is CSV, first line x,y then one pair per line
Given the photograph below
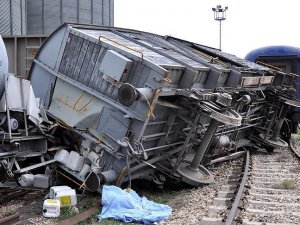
x,y
220,15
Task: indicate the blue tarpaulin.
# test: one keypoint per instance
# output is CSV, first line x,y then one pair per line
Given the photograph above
x,y
129,207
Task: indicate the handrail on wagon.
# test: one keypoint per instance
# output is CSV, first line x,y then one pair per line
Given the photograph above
x,y
275,68
268,65
211,59
118,43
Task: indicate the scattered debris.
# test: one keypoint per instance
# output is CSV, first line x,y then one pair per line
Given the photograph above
x,y
60,196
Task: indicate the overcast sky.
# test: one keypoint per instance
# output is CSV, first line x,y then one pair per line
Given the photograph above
x,y
250,24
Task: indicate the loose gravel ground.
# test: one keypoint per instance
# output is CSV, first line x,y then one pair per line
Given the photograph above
x,y
29,209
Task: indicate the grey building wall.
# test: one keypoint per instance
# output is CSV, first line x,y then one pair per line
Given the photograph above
x,y
44,16
26,17
25,24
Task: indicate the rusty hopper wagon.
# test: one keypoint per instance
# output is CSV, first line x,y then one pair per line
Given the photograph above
x,y
128,105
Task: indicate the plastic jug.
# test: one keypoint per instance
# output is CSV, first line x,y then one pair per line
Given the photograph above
x,y
26,180
55,189
51,208
66,197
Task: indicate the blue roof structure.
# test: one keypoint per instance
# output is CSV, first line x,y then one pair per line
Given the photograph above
x,y
279,50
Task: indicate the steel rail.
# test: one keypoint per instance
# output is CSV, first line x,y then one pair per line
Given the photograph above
x,y
80,217
233,210
10,220
297,154
11,194
7,195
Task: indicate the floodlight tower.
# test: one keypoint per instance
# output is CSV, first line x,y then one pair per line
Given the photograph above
x,y
220,15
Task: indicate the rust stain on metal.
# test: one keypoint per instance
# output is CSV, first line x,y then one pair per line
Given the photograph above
x,y
63,101
73,107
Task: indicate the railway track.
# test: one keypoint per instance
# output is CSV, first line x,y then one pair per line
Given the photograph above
x,y
272,196
224,201
19,193
7,195
10,220
267,191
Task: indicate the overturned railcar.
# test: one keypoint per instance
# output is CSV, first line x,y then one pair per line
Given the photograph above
x,y
129,104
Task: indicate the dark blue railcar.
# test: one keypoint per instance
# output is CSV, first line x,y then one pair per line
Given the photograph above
x,y
284,58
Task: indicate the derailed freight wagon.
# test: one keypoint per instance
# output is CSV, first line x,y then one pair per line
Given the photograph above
x,y
130,104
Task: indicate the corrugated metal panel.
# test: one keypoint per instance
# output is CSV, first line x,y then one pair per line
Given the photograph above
x,y
84,63
5,18
11,17
23,15
112,13
81,60
85,11
69,10
16,17
97,12
20,17
35,17
106,12
52,15
43,16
